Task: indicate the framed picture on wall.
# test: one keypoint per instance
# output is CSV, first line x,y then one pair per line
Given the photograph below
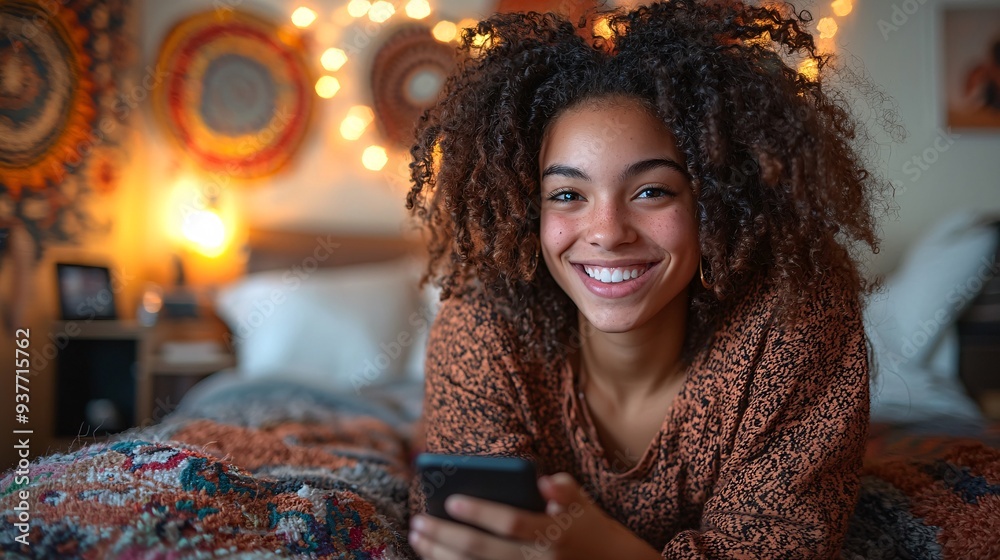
x,y
971,59
85,292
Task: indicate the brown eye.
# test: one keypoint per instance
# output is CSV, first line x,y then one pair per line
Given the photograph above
x,y
565,196
654,192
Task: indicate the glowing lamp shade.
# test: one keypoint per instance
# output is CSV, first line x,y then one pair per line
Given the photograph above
x,y
327,87
374,158
418,9
381,11
303,17
206,232
359,8
333,59
445,31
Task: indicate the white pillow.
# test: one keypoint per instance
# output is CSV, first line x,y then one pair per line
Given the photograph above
x,y
940,276
920,392
341,329
911,324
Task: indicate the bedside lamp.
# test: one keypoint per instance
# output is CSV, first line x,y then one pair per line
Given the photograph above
x,y
203,225
206,231
200,237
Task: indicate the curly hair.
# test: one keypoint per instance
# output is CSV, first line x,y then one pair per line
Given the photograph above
x,y
781,186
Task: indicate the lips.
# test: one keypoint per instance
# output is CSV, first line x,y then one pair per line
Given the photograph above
x,y
610,281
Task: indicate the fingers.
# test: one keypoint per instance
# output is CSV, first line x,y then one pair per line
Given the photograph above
x,y
439,539
505,528
561,488
550,493
553,507
503,520
430,549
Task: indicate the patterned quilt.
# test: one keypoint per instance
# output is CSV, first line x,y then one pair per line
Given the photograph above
x,y
268,470
263,470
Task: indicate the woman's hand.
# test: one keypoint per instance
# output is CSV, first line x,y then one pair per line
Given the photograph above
x,y
572,527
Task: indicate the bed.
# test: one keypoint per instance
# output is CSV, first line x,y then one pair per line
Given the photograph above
x,y
305,449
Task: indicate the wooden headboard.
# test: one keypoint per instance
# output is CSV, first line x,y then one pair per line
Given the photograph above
x,y
273,250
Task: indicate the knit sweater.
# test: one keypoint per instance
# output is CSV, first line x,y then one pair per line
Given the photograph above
x,y
758,457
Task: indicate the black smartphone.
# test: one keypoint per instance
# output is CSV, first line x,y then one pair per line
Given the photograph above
x,y
508,480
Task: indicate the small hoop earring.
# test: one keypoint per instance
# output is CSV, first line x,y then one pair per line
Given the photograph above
x,y
701,268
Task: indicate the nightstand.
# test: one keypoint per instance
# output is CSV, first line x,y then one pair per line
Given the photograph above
x,y
114,375
184,351
101,368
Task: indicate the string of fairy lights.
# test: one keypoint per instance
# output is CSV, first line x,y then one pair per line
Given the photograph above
x,y
332,59
826,29
359,117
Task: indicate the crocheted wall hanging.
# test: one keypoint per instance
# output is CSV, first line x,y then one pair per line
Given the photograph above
x,y
64,99
407,77
237,99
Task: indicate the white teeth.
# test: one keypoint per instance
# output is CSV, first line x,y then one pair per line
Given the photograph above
x,y
613,275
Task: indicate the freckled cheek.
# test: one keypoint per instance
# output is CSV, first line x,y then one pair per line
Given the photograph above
x,y
679,233
557,234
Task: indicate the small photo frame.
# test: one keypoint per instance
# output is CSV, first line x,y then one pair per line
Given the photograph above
x,y
85,292
971,58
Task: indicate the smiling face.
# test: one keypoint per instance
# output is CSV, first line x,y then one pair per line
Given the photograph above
x,y
618,227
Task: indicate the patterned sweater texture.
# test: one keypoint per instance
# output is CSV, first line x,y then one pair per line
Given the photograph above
x,y
758,457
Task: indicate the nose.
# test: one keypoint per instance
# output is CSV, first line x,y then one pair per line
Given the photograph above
x,y
609,225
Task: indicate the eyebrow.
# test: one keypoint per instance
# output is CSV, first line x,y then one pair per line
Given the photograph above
x,y
565,171
630,171
650,164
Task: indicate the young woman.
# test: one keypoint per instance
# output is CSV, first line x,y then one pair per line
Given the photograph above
x,y
644,248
